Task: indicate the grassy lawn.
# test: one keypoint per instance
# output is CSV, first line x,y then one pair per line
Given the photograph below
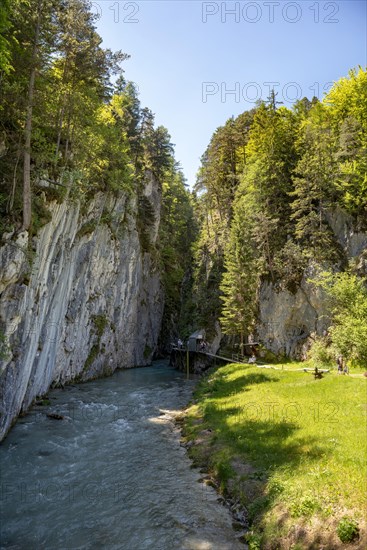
x,y
290,448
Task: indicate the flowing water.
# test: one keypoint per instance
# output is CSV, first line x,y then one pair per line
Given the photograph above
x,y
111,474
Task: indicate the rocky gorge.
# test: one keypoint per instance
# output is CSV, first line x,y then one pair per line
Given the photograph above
x,y
79,299
83,297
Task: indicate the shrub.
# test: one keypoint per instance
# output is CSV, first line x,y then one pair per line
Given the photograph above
x,y
305,507
347,530
347,301
100,323
41,215
253,541
87,228
320,353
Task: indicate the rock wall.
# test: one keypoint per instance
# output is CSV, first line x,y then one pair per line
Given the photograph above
x,y
79,301
288,321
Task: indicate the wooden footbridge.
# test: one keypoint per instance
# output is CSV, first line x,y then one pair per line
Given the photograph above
x,y
200,360
236,358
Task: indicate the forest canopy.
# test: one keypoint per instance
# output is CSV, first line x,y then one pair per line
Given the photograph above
x,y
268,185
72,128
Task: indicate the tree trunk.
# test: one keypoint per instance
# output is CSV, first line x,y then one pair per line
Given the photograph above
x,y
27,199
64,100
59,130
12,193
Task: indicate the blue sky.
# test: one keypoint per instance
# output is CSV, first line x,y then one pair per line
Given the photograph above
x,y
198,63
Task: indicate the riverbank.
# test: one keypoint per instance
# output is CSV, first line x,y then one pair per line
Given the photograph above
x,y
288,450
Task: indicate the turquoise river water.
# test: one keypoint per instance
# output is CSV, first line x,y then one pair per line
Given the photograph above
x,y
112,474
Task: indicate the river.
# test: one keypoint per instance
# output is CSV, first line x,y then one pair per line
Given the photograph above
x,y
111,474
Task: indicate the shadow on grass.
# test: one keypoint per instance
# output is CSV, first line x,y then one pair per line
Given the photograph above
x,y
220,387
252,440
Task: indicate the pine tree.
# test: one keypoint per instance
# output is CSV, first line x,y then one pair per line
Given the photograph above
x,y
314,187
266,179
81,76
41,35
5,50
347,105
351,155
177,230
241,277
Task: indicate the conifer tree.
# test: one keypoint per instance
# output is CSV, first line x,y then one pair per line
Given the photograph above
x,y
314,184
240,279
5,51
347,104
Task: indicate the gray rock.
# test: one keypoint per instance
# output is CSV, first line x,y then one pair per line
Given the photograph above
x,y
90,303
288,322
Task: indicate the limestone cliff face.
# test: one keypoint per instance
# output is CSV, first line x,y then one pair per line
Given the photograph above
x,y
288,321
79,301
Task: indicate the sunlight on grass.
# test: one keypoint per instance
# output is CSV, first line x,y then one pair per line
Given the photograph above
x,y
303,439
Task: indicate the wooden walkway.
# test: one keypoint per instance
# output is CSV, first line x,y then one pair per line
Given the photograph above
x,y
184,350
235,359
241,359
221,357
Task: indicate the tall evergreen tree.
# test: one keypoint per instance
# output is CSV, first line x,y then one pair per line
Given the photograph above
x,y
241,277
5,51
52,98
266,180
177,232
346,103
33,24
314,184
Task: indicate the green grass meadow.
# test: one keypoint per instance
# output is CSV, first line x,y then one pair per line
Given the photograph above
x,y
290,448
